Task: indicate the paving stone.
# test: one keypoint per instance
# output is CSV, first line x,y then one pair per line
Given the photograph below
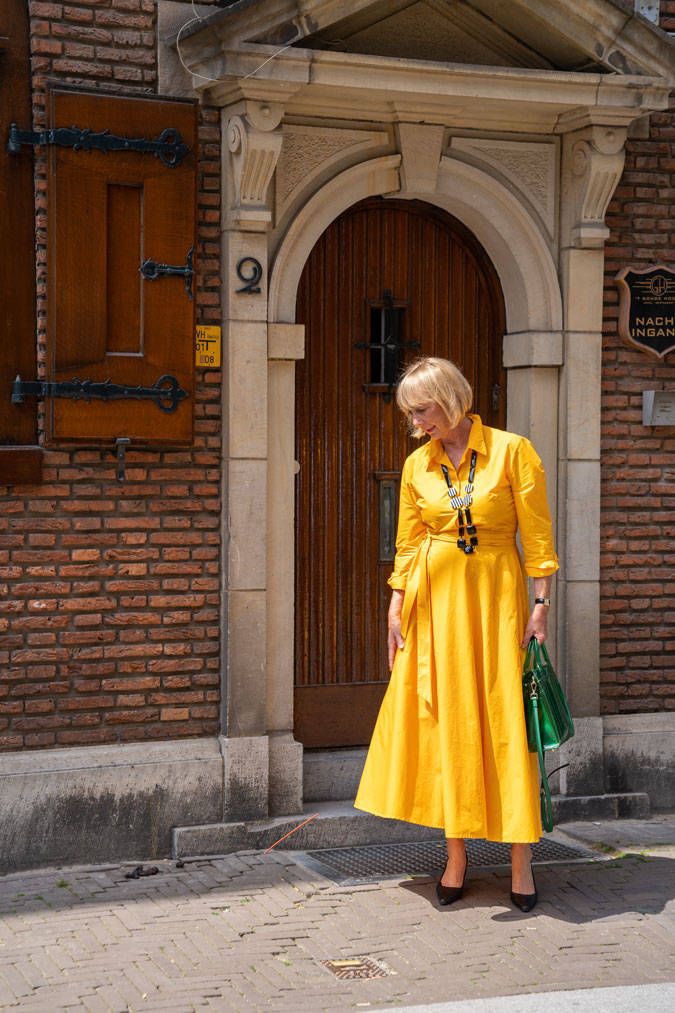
x,y
188,939
95,1004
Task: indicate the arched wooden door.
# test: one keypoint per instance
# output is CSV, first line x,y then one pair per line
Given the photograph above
x,y
384,269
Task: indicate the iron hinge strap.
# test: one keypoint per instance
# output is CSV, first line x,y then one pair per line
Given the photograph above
x,y
166,393
168,147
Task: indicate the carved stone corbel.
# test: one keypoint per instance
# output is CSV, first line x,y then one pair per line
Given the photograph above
x,y
254,141
594,163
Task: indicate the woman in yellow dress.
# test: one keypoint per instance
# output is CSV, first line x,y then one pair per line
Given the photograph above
x,y
449,748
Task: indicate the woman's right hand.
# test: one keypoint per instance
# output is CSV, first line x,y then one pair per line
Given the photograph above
x,y
394,638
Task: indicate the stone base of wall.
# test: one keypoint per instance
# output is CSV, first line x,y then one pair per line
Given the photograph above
x,y
92,805
639,756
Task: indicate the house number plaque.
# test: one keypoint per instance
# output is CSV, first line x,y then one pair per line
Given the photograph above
x,y
249,270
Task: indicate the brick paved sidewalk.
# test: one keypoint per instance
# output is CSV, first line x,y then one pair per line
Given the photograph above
x,y
245,932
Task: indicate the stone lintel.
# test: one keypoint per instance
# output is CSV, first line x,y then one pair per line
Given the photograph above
x,y
533,348
286,341
251,218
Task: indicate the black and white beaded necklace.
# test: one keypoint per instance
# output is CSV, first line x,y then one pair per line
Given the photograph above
x,y
462,505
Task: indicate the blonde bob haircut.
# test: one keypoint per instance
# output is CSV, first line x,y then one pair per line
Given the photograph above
x,y
438,380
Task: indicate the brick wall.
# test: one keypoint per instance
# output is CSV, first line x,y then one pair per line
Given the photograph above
x,y
109,592
638,463
109,603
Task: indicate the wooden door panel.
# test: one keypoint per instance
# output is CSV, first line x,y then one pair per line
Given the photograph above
x,y
20,457
349,435
79,211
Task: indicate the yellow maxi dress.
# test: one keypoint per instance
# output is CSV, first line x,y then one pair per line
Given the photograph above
x,y
449,748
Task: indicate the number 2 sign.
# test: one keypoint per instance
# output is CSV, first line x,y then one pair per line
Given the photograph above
x,y
249,270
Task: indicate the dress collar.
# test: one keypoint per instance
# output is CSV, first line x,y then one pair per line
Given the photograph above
x,y
476,440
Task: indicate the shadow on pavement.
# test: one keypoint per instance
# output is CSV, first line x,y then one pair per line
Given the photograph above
x,y
576,893
633,884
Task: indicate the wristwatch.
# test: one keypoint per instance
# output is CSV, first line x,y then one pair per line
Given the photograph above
x,y
542,601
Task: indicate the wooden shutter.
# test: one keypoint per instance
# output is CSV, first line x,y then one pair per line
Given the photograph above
x,y
20,457
108,214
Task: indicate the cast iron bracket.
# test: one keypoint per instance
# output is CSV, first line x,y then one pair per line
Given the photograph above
x,y
121,443
150,270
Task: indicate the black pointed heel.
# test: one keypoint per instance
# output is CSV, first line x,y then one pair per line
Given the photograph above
x,y
525,901
449,894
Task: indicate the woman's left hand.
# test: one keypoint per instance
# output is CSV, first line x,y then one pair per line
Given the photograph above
x,y
537,625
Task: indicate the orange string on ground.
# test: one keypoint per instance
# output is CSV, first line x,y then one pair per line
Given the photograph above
x,y
290,832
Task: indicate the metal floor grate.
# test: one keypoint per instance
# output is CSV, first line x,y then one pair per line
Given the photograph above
x,y
356,968
378,861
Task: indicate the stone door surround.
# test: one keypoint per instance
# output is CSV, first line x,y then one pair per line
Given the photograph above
x,y
530,171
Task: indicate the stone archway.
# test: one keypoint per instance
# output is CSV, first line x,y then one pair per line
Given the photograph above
x,y
499,221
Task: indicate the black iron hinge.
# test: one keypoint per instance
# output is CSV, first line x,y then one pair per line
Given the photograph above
x,y
166,393
168,147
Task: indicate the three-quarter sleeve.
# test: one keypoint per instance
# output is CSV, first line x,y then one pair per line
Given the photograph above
x,y
411,530
528,484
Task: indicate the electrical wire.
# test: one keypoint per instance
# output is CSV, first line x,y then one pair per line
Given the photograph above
x,y
197,17
214,80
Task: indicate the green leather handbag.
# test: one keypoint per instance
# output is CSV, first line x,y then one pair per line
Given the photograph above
x,y
547,716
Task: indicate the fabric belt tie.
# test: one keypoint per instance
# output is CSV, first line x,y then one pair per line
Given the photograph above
x,y
417,590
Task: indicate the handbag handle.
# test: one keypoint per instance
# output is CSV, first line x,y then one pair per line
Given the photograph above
x,y
536,650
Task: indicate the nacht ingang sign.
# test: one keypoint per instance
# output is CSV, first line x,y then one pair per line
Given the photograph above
x,y
647,308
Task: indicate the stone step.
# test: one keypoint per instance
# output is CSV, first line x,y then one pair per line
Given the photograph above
x,y
332,774
340,825
621,806
337,825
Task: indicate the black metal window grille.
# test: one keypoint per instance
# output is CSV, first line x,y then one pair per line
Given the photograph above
x,y
386,329
386,322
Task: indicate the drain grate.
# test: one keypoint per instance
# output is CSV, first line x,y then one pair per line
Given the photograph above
x,y
377,861
356,968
